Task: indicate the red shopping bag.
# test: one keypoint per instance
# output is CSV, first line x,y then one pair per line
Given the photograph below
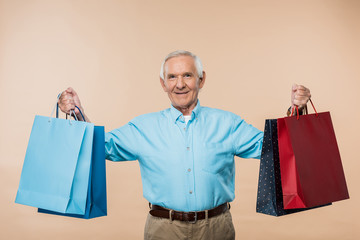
x,y
310,163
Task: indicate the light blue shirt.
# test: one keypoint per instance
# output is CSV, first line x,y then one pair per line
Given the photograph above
x,y
186,167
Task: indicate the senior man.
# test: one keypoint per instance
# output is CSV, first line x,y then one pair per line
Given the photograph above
x,y
186,154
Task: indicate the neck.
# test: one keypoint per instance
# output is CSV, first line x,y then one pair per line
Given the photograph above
x,y
186,110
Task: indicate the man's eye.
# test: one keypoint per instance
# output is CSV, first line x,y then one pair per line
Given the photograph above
x,y
171,76
187,75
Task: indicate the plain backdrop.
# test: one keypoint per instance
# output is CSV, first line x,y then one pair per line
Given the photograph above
x,y
110,52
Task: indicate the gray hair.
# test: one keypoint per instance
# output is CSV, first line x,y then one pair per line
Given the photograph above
x,y
198,64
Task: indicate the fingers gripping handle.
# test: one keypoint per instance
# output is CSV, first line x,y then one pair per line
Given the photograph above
x,y
72,111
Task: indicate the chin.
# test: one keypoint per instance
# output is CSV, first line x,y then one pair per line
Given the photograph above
x,y
180,103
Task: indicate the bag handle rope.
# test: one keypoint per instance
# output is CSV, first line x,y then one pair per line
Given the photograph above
x,y
72,111
297,110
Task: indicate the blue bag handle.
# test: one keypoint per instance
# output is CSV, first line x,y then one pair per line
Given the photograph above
x,y
81,113
71,111
57,105
75,115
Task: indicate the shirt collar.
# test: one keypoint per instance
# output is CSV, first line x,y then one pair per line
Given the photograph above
x,y
176,114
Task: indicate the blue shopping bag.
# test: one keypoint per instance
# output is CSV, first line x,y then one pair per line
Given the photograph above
x,y
64,168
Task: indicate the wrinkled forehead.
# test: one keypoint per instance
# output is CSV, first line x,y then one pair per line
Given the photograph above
x,y
179,65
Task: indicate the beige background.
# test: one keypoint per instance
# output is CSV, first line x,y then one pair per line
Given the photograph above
x,y
110,52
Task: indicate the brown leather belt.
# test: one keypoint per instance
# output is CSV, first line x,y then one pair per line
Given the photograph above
x,y
191,217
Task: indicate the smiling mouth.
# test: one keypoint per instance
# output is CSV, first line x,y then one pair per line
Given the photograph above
x,y
181,93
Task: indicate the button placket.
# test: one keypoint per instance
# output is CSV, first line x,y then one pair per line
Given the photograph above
x,y
189,161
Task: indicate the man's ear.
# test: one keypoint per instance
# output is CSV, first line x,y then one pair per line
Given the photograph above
x,y
202,80
162,82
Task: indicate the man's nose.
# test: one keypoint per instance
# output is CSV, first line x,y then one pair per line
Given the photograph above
x,y
180,83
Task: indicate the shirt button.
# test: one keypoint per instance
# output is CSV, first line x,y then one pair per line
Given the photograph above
x,y
190,192
184,129
189,170
188,148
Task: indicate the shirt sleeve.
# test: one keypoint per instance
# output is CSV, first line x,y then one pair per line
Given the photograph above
x,y
247,140
121,144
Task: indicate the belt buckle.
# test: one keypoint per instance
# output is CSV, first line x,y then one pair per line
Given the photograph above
x,y
195,220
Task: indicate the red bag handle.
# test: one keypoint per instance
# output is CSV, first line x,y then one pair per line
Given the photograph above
x,y
297,110
313,107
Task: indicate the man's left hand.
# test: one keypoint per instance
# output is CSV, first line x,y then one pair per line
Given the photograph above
x,y
300,95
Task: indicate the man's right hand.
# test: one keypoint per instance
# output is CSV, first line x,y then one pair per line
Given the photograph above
x,y
67,102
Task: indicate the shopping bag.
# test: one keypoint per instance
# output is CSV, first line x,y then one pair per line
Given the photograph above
x,y
64,168
310,163
270,196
